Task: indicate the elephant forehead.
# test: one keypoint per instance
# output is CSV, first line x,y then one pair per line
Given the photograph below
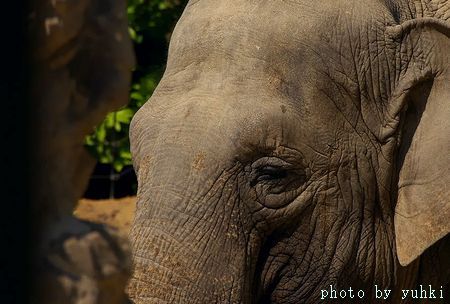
x,y
255,36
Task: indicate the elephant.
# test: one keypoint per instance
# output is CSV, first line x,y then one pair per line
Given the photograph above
x,y
294,149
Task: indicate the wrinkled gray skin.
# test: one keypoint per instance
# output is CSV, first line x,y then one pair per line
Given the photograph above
x,y
293,145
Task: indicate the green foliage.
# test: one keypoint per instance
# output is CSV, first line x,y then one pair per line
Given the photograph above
x,y
143,89
153,18
109,142
150,25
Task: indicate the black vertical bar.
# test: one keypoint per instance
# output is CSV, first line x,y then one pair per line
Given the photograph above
x,y
15,220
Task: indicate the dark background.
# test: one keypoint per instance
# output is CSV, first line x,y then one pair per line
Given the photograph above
x,y
15,219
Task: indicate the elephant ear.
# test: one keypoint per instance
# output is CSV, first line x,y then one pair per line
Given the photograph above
x,y
420,106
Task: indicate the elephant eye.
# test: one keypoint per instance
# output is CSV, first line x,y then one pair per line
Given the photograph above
x,y
274,182
274,175
269,173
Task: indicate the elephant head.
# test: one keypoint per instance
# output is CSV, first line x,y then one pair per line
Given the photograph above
x,y
293,145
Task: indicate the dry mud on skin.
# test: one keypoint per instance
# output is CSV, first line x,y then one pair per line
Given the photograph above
x,y
117,213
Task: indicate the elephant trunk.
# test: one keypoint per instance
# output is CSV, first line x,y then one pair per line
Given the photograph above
x,y
189,242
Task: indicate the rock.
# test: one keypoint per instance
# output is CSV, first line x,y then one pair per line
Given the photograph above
x,y
81,58
88,266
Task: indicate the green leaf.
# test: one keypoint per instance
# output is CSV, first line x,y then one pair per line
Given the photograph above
x,y
89,140
101,133
124,115
118,127
118,166
104,159
109,121
136,95
132,33
125,154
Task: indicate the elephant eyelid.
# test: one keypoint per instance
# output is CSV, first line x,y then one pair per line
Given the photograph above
x,y
273,162
270,170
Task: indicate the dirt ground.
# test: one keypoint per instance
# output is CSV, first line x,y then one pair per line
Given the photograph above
x,y
117,213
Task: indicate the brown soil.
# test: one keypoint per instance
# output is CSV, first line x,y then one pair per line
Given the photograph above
x,y
117,213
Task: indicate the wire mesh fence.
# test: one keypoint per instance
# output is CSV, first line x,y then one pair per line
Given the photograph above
x,y
112,183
